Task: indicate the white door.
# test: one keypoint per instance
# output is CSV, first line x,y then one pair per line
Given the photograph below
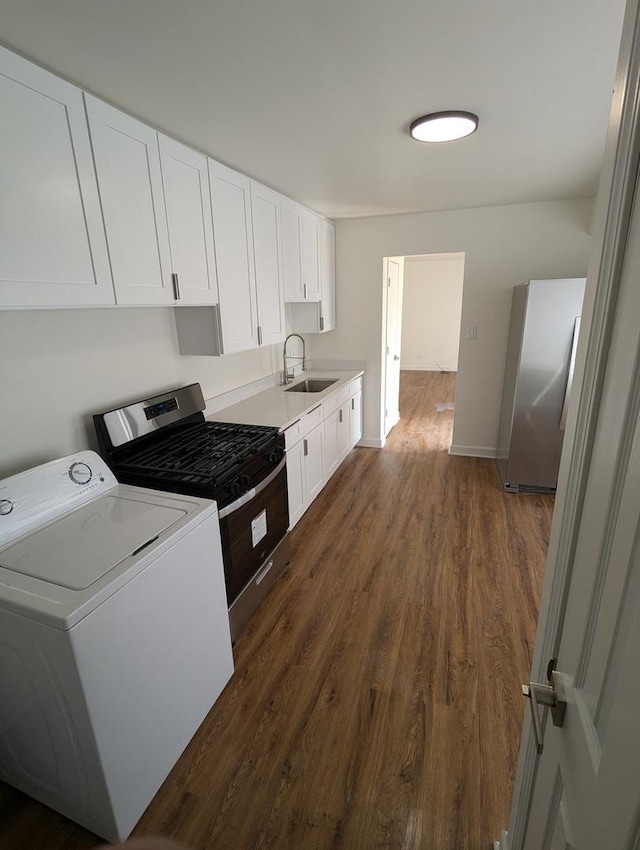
x,y
331,458
393,275
583,790
344,431
311,255
130,182
314,462
188,202
233,240
267,251
327,276
296,485
52,243
291,221
355,418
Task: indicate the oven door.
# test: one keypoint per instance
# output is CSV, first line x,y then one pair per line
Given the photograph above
x,y
252,527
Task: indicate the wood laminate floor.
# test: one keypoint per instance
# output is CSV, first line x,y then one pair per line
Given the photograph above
x,y
376,699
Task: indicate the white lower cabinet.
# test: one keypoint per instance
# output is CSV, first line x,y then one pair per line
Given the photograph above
x,y
313,451
331,457
304,441
296,483
355,418
318,442
305,471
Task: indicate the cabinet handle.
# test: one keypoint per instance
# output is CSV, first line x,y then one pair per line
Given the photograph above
x,y
176,286
353,404
321,323
305,291
305,447
340,412
259,335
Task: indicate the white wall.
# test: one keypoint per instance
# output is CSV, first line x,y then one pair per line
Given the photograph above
x,y
431,310
503,246
58,367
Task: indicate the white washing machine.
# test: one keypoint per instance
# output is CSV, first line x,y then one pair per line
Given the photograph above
x,y
114,637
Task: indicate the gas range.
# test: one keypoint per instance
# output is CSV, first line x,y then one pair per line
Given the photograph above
x,y
149,444
165,443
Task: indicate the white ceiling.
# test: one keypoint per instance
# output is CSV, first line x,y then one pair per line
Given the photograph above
x,y
314,97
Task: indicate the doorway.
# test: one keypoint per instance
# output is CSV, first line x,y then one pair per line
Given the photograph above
x,y
421,321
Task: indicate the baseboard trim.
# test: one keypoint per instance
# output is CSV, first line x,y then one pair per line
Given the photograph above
x,y
423,368
371,443
474,451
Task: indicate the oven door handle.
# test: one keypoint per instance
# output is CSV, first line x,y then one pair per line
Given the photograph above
x,y
250,494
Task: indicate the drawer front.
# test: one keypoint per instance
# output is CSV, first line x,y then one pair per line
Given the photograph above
x,y
312,418
293,434
354,386
330,404
343,394
301,427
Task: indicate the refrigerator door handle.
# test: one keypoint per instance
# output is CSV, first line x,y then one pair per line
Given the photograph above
x,y
572,363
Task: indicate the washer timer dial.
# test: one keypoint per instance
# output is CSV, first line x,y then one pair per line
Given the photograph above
x,y
80,473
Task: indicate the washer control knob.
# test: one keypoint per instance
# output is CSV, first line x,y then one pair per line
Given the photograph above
x,y
6,506
80,473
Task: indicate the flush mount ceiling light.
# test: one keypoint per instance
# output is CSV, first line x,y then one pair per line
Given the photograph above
x,y
444,126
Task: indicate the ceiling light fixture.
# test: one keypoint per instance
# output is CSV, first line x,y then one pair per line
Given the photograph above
x,y
444,126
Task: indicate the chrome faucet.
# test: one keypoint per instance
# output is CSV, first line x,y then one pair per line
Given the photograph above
x,y
286,376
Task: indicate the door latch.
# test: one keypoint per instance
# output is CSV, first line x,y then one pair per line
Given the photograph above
x,y
553,697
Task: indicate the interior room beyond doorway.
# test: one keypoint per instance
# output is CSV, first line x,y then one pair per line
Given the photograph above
x,y
422,320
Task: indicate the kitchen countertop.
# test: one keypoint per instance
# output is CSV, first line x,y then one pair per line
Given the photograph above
x,y
279,408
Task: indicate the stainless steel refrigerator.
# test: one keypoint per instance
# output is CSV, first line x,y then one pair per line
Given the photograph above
x,y
543,335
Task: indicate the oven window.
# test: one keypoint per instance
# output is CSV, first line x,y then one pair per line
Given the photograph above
x,y
251,533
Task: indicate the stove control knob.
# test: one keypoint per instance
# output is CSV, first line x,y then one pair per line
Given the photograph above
x,y
275,454
80,473
244,481
6,506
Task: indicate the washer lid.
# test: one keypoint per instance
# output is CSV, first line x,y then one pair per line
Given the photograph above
x,y
81,547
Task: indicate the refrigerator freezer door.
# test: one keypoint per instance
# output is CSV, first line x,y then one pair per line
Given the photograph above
x,y
542,382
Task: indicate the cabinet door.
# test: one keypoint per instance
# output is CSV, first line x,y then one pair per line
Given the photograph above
x,y
291,225
52,244
267,251
233,241
327,277
311,224
296,486
128,167
344,431
314,462
331,458
355,419
188,204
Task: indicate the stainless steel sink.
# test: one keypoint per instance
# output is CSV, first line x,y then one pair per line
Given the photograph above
x,y
311,386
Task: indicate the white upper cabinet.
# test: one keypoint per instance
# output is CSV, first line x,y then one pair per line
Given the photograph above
x,y
327,320
52,243
267,250
130,182
296,283
233,240
321,316
311,226
188,203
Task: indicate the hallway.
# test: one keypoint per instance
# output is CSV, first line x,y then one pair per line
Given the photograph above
x,y
376,700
